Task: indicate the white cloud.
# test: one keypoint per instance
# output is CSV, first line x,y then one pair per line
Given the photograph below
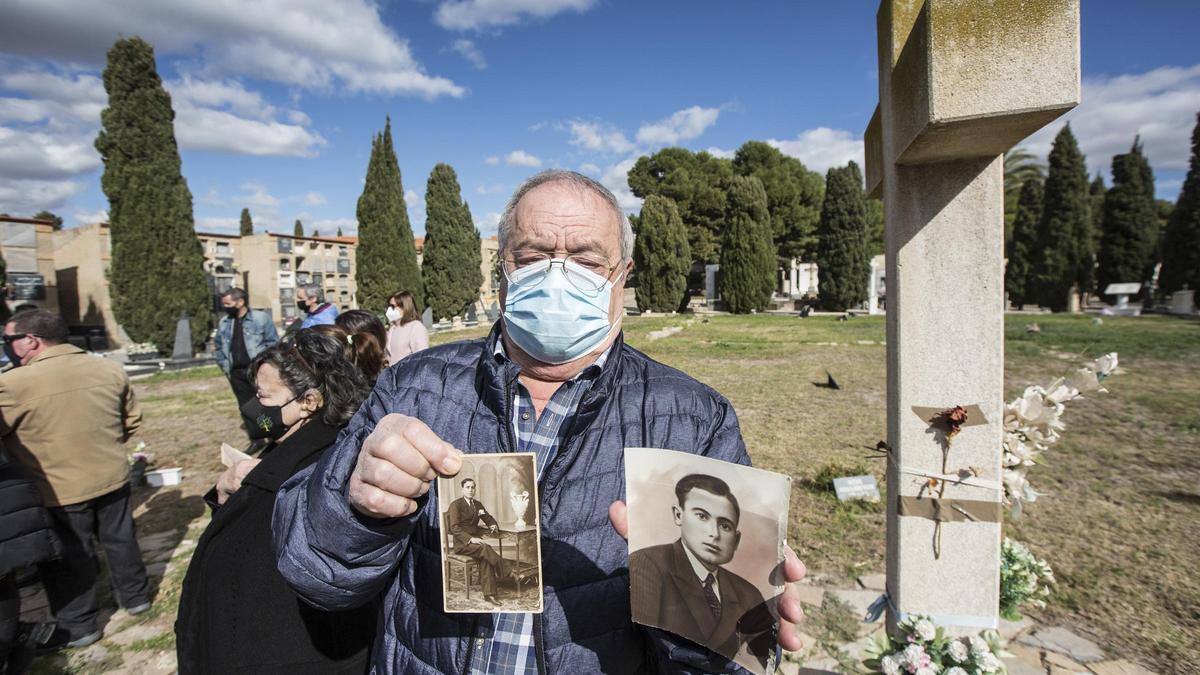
x,y
615,178
312,44
220,131
89,217
484,14
490,189
39,155
681,126
467,49
722,153
328,227
492,161
220,225
488,223
588,167
521,158
212,198
411,198
255,194
314,199
538,126
30,196
598,137
822,148
1159,104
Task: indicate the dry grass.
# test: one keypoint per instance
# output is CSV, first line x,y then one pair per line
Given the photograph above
x,y
1120,525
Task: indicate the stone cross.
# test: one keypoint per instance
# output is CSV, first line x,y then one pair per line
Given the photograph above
x,y
960,82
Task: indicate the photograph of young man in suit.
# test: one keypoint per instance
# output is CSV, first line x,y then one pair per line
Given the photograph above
x,y
467,520
682,587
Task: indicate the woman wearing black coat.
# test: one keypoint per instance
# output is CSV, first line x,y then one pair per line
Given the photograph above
x,y
236,613
26,538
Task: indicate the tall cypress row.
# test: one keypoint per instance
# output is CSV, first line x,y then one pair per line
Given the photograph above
x,y
661,255
843,239
748,260
1181,242
1064,231
1130,225
386,256
157,268
450,264
298,228
247,225
1022,251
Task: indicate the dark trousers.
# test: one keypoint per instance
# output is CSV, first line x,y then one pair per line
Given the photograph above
x,y
10,614
243,390
493,567
71,581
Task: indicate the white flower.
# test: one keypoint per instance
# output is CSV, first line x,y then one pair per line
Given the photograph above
x,y
979,647
959,651
928,670
955,670
1061,392
925,630
915,658
889,665
1105,365
988,662
1086,381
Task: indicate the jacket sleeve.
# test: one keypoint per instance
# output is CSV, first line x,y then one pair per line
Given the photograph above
x,y
270,335
332,556
131,411
678,655
219,348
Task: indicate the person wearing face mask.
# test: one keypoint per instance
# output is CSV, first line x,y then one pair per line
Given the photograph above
x,y
406,333
310,299
236,614
554,378
242,334
65,417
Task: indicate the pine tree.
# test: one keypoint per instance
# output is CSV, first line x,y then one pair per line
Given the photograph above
x,y
157,269
662,256
386,255
315,233
1130,228
1064,231
1022,251
298,228
843,261
339,232
450,266
247,225
793,196
46,215
748,259
1181,242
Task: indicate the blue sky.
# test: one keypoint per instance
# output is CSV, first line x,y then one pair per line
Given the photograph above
x,y
276,101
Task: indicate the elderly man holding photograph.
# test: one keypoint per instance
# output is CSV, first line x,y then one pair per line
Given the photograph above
x,y
554,378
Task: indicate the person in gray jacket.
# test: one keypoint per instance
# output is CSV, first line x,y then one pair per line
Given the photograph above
x,y
242,334
556,379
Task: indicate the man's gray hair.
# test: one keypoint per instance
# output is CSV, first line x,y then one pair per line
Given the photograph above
x,y
509,219
313,291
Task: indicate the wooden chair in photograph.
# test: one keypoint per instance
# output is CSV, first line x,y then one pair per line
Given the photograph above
x,y
467,565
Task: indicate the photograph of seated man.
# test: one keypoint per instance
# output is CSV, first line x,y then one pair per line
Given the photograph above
x,y
682,587
467,521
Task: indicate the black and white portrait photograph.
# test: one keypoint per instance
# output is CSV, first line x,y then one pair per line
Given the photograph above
x,y
491,550
705,545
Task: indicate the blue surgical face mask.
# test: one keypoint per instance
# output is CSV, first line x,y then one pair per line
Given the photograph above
x,y
554,319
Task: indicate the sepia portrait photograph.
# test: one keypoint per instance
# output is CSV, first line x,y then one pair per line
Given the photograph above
x,y
706,545
491,541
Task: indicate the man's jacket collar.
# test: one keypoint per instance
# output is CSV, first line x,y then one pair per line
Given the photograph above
x,y
57,350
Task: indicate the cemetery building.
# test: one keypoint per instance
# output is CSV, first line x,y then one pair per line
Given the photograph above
x,y
27,246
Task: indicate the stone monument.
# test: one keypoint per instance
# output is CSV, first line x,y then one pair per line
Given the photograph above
x,y
960,82
183,339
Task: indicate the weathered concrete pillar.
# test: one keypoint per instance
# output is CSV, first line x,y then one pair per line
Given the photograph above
x,y
961,81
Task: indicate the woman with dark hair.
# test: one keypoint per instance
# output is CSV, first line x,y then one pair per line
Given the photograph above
x,y
365,339
236,613
406,334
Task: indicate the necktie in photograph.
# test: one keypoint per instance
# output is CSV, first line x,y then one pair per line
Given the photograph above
x,y
710,595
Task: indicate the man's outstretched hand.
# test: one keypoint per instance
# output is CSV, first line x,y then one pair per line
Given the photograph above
x,y
396,464
790,613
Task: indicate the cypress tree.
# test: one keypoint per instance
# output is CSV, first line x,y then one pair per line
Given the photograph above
x,y
1130,227
339,232
793,196
662,256
298,228
1181,242
247,225
1064,231
843,260
450,266
157,267
748,260
386,255
47,215
1022,251
315,233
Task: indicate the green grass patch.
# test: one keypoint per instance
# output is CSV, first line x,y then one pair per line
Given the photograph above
x,y
185,375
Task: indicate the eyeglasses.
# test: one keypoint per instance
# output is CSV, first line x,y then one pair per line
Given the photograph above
x,y
9,339
591,284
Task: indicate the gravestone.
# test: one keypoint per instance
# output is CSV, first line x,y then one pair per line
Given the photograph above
x,y
1123,291
183,339
851,488
1183,302
427,318
493,312
959,84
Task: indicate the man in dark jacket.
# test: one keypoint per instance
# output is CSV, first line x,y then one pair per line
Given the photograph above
x,y
553,378
468,520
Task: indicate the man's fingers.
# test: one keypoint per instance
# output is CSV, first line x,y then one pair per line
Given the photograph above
x,y
381,504
789,605
619,515
387,476
789,637
442,457
793,568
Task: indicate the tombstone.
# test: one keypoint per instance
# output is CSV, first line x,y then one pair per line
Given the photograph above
x,y
959,83
711,276
875,287
493,312
1123,291
1183,302
183,339
471,318
427,318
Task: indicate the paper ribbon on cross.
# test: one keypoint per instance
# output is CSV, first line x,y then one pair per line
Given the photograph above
x,y
954,478
943,510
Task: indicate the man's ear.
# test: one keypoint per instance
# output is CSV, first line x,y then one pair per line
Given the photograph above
x,y
737,539
678,513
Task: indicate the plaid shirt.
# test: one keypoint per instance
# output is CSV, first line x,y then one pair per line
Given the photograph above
x,y
505,643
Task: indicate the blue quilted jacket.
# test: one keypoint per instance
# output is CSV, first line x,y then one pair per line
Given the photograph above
x,y
337,559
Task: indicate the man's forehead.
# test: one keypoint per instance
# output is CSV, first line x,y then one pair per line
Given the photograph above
x,y
712,503
552,209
